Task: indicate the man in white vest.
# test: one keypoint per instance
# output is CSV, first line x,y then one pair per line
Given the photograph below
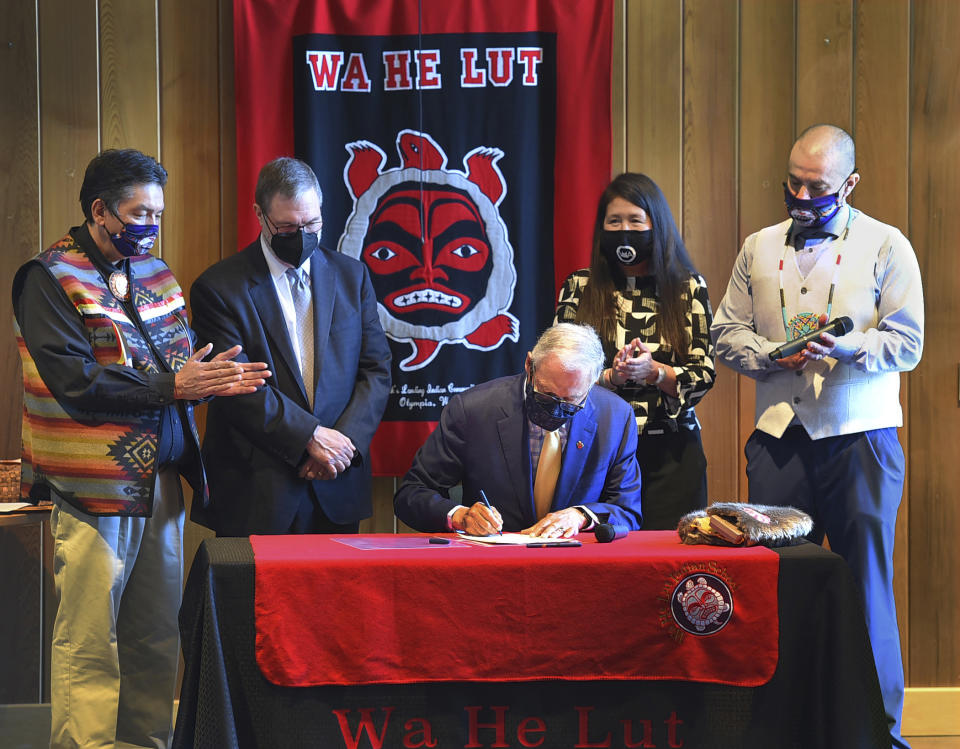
x,y
827,416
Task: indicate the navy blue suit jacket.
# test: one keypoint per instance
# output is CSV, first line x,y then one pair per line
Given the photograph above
x,y
482,442
254,444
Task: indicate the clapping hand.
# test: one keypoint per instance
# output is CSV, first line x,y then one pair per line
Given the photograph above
x,y
221,376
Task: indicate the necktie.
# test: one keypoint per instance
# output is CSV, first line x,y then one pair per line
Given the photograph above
x,y
300,293
548,468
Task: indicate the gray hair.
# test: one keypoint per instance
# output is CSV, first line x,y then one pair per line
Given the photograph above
x,y
577,347
287,177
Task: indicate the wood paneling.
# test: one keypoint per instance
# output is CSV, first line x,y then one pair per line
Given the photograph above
x,y
129,95
654,93
19,192
190,135
709,95
709,225
190,127
824,56
934,188
767,99
229,241
882,84
618,99
69,109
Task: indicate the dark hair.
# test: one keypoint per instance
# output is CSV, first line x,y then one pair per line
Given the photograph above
x,y
113,174
287,177
670,265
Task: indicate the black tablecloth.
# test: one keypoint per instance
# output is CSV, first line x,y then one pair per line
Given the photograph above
x,y
824,692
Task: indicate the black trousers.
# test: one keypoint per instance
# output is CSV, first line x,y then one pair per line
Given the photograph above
x,y
673,470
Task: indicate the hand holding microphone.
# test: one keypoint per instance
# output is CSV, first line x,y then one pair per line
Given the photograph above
x,y
838,327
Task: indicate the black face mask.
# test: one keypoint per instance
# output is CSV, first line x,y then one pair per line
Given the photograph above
x,y
294,249
627,247
545,411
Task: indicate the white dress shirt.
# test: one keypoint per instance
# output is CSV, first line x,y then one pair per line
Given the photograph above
x,y
278,270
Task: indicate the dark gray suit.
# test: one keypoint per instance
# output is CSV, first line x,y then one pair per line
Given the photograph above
x,y
255,443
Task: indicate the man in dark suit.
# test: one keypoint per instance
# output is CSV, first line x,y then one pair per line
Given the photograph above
x,y
294,456
549,450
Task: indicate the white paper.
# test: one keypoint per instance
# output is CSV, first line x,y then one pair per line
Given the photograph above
x,y
13,506
515,539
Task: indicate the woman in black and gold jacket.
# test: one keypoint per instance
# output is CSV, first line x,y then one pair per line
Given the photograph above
x,y
650,307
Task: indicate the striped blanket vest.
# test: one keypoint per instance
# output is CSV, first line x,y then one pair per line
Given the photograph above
x,y
104,463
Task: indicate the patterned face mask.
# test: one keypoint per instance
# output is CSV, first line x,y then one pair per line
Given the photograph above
x,y
811,212
135,239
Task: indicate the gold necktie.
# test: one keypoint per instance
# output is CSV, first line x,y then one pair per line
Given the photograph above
x,y
548,468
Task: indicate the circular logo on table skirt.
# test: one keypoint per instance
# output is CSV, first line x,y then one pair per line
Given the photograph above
x,y
702,604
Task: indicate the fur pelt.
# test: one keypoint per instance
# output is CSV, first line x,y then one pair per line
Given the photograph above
x,y
766,525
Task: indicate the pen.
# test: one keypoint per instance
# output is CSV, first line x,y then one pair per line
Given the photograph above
x,y
555,543
486,501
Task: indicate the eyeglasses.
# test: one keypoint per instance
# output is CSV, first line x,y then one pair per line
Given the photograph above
x,y
289,230
551,401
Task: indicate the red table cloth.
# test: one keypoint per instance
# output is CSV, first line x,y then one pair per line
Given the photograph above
x,y
643,607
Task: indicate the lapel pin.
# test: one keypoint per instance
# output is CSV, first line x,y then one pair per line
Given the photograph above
x,y
579,445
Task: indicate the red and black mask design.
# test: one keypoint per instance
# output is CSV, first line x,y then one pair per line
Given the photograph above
x,y
428,253
435,245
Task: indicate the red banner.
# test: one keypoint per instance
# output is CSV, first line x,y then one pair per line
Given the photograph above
x,y
397,609
501,107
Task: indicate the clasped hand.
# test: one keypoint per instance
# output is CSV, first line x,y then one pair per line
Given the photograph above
x,y
329,453
221,376
814,351
639,368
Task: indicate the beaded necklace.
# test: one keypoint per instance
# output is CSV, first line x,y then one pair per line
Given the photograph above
x,y
833,285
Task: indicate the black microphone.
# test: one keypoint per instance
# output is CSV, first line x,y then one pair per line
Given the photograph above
x,y
840,326
607,532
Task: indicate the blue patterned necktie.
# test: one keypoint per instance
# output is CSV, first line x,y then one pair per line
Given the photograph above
x,y
303,310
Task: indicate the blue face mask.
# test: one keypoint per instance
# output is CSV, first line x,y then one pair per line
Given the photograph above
x,y
812,212
135,239
546,411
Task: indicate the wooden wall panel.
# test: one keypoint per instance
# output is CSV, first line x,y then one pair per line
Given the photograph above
x,y
709,226
654,95
129,86
69,109
618,99
19,192
229,241
824,55
189,76
934,188
881,126
766,133
190,135
712,93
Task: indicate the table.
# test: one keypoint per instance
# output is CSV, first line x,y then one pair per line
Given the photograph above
x,y
823,693
29,599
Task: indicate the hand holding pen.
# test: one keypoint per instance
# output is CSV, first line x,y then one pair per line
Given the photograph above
x,y
481,519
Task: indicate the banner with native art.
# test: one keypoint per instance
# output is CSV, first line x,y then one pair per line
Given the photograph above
x,y
461,147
